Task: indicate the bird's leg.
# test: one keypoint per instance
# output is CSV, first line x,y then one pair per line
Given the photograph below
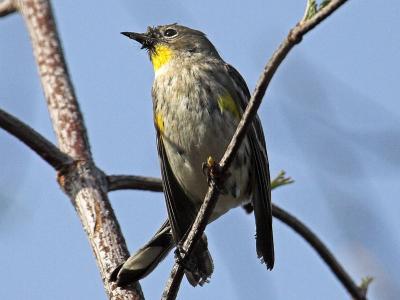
x,y
211,169
198,266
185,261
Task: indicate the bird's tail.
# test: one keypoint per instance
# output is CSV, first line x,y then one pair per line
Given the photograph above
x,y
143,262
200,264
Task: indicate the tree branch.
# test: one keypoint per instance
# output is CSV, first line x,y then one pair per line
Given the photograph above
x,y
7,7
60,95
293,38
131,182
82,181
142,183
323,251
34,140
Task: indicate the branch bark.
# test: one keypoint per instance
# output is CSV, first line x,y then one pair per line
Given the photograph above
x,y
294,37
7,7
34,140
82,181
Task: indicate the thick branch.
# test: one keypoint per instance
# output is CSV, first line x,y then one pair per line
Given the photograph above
x,y
294,37
7,7
34,140
60,95
84,184
136,183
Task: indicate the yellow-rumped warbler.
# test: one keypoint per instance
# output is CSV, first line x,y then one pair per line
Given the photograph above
x,y
198,100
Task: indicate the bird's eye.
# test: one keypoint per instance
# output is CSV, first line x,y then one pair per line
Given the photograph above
x,y
170,32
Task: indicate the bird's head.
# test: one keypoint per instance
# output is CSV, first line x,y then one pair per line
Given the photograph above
x,y
166,42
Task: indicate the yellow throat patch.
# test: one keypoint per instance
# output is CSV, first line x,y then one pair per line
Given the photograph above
x,y
161,55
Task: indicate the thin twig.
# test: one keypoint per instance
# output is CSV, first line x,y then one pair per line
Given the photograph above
x,y
279,213
82,181
281,180
327,256
365,282
172,286
294,37
34,140
7,7
131,182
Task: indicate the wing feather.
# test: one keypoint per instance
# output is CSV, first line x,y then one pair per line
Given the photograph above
x,y
181,211
261,198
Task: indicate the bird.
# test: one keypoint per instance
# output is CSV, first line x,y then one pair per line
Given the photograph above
x,y
198,101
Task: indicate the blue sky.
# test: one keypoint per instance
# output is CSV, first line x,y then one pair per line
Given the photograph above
x,y
331,118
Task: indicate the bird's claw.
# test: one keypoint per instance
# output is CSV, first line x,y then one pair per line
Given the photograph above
x,y
211,169
187,263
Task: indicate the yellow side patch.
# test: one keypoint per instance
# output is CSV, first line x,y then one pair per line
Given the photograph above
x,y
159,122
226,103
161,55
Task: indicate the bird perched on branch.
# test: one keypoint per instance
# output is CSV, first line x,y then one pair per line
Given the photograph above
x,y
198,101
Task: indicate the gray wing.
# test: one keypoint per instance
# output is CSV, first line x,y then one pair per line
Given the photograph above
x,y
181,211
261,199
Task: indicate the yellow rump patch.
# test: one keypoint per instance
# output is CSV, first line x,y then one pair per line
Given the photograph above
x,y
226,103
159,122
161,55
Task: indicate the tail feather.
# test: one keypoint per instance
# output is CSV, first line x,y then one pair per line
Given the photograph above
x,y
203,264
140,264
146,259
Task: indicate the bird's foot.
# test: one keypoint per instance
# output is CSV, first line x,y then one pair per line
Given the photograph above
x,y
211,169
196,273
186,262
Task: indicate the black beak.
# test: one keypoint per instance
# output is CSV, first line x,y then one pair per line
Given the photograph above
x,y
146,41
